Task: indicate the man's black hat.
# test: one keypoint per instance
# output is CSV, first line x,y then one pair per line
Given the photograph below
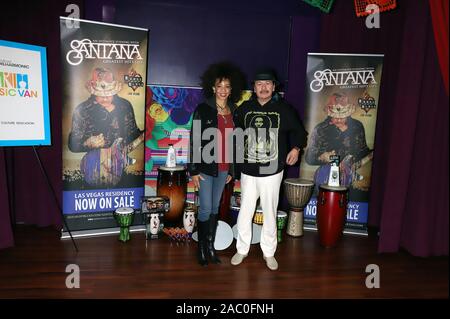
x,y
265,75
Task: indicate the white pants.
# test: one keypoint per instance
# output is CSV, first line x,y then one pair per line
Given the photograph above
x,y
268,190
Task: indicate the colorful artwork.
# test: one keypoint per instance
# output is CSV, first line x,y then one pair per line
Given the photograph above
x,y
168,120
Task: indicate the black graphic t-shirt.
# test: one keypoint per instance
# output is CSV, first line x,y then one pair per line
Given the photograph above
x,y
265,144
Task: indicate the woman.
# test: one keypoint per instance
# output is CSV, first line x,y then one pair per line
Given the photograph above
x,y
211,164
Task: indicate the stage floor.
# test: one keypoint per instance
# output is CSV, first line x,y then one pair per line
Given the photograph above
x,y
35,268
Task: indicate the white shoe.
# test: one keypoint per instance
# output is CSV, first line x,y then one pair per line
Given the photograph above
x,y
237,259
271,263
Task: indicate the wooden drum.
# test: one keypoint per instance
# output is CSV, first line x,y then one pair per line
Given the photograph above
x,y
298,192
331,211
172,182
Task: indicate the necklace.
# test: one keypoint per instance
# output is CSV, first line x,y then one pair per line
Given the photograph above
x,y
221,107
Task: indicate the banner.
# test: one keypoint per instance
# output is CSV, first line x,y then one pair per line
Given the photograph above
x,y
24,107
341,107
103,79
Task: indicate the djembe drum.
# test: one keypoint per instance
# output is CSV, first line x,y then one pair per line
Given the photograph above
x,y
298,192
172,182
124,217
331,211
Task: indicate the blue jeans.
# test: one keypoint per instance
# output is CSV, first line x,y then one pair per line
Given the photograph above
x,y
210,193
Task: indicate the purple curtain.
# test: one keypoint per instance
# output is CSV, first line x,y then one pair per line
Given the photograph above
x,y
36,24
409,194
6,234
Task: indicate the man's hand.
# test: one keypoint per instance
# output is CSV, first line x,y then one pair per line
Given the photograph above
x,y
196,179
325,157
97,141
292,156
229,178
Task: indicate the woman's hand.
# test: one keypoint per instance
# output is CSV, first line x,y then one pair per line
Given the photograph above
x,y
229,178
196,179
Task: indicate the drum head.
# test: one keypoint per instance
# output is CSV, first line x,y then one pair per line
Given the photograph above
x,y
299,181
333,188
171,169
281,213
224,236
124,210
256,233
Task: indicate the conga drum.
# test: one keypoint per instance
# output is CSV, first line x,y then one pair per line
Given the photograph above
x,y
298,192
331,211
172,182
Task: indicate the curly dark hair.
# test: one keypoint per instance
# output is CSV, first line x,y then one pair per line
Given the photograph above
x,y
220,71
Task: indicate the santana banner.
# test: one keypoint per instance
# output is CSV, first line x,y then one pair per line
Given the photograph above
x,y
340,115
104,75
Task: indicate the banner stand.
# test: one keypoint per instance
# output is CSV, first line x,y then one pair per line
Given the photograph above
x,y
100,232
44,172
348,231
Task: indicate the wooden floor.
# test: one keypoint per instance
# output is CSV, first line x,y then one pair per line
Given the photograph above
x,y
35,268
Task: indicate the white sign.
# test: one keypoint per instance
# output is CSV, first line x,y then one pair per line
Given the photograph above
x,y
24,105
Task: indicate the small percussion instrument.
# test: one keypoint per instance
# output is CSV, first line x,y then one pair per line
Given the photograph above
x,y
331,211
189,219
281,223
172,182
152,204
153,225
124,217
258,217
298,192
177,234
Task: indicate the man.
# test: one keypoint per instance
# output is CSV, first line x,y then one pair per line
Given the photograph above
x,y
104,117
268,121
339,134
105,124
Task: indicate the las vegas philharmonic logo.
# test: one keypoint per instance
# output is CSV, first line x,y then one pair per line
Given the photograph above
x,y
342,78
86,49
